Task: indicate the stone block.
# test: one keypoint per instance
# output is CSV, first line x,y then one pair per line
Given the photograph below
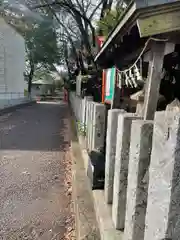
x,y
174,106
121,168
86,122
139,160
89,125
85,118
98,127
163,208
111,135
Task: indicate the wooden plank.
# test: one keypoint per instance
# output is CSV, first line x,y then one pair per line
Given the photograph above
x,y
153,80
161,23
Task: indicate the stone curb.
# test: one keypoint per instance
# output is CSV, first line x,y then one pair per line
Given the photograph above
x,y
102,210
85,219
13,108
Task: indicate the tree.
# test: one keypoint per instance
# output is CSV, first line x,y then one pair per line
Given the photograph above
x,y
82,12
109,21
40,36
42,49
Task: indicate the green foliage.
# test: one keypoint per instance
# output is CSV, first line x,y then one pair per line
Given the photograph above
x,y
25,92
42,48
59,84
81,128
42,74
41,44
110,20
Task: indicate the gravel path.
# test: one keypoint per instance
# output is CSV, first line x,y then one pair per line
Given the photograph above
x,y
35,174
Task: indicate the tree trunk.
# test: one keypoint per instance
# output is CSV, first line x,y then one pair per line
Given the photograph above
x,y
31,74
85,38
103,10
81,62
69,71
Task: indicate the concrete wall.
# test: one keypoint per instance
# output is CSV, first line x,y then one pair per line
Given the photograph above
x,y
35,91
40,89
12,63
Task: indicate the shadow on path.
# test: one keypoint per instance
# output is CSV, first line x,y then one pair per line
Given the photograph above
x,y
40,127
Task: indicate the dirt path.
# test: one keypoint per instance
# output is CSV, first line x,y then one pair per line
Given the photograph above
x,y
35,173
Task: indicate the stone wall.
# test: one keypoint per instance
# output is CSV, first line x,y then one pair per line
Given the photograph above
x,y
142,167
163,209
142,175
90,117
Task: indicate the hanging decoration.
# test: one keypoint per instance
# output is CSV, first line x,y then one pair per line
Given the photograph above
x,y
133,75
109,81
130,77
138,73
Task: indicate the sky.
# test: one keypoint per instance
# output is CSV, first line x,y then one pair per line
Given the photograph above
x,y
19,6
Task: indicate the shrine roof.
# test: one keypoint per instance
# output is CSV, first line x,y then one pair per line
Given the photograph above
x,y
136,25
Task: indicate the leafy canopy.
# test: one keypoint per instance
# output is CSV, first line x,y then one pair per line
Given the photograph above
x,y
41,44
109,21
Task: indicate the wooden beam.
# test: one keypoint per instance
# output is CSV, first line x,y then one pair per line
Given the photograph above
x,y
169,48
160,23
153,80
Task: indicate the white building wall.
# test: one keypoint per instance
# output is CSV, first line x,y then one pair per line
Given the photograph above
x,y
12,62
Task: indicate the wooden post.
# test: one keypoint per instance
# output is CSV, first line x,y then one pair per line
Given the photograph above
x,y
154,80
103,85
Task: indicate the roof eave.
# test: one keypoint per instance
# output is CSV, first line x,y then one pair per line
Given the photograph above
x,y
128,13
131,16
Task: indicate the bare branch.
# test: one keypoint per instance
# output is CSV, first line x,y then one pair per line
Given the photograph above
x,y
95,9
72,9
